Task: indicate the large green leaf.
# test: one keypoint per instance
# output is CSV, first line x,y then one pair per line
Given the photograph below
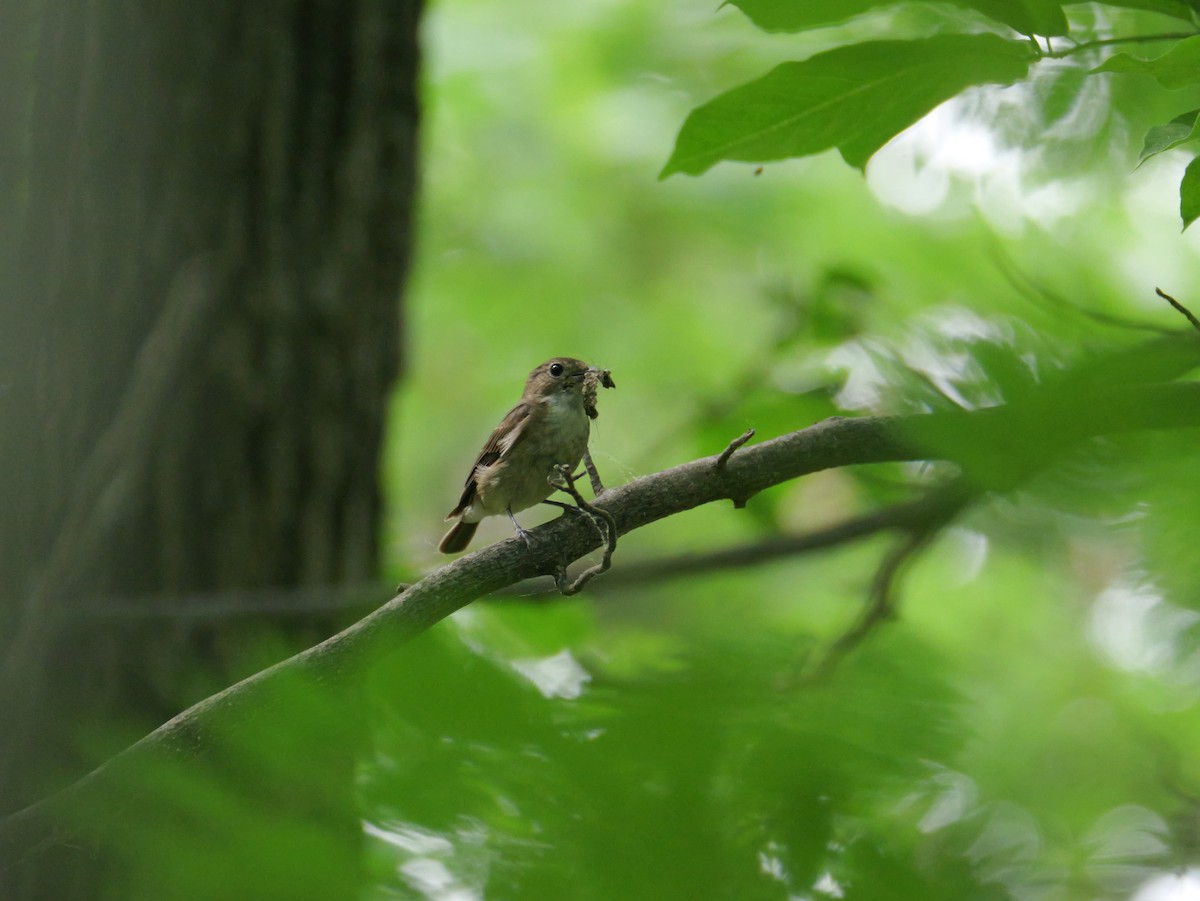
x,y
1177,68
1026,16
1189,193
1180,130
854,98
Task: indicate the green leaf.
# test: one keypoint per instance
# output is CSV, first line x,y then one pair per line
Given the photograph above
x,y
1189,193
1026,16
1177,68
1174,8
855,98
1180,130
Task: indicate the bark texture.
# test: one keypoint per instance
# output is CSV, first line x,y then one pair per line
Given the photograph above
x,y
206,230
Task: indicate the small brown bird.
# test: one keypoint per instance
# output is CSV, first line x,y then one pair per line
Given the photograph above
x,y
548,427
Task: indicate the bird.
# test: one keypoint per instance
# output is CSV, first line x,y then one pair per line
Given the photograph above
x,y
547,428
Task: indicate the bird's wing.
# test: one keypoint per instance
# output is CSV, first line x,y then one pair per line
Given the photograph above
x,y
502,440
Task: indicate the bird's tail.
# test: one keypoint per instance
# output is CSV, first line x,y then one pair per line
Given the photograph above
x,y
458,537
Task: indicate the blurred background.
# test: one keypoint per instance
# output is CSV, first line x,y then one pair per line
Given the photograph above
x,y
1026,727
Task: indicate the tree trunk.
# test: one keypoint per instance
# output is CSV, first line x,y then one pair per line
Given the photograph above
x,y
206,232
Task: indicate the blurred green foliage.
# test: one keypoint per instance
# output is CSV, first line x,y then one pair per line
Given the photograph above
x,y
1028,729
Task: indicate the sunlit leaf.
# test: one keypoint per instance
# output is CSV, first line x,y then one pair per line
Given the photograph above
x,y
854,98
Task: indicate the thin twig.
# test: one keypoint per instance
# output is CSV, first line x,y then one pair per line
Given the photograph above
x,y
739,500
881,604
1180,307
609,532
1111,42
280,603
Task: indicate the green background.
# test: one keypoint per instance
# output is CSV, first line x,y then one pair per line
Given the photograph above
x,y
1028,727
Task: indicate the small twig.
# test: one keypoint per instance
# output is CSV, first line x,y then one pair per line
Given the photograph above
x,y
739,500
609,533
1180,307
593,474
881,605
1112,42
733,445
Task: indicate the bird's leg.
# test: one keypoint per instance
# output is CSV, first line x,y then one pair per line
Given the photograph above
x,y
565,483
523,533
570,508
580,506
593,476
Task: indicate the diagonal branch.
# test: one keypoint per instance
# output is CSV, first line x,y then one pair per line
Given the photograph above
x,y
996,448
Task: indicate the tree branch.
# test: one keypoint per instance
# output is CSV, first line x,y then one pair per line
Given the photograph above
x,y
1187,314
995,447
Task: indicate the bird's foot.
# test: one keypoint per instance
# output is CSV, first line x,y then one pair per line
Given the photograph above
x,y
524,534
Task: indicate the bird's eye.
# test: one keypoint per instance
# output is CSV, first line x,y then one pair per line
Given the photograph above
x,y
556,369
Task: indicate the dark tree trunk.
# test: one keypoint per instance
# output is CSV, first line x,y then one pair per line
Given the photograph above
x,y
205,233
